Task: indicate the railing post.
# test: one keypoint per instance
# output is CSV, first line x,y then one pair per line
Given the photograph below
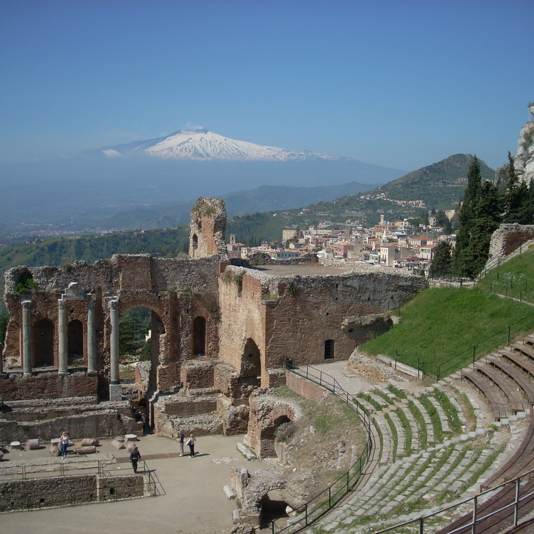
x,y
306,513
421,526
509,333
272,526
474,526
474,352
516,502
329,496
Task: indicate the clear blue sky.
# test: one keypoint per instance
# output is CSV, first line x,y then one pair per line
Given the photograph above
x,y
395,83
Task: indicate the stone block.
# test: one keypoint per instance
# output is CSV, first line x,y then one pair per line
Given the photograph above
x,y
90,449
88,442
15,445
115,392
130,437
117,444
33,444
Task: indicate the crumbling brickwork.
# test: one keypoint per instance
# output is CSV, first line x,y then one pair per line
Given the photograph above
x,y
218,329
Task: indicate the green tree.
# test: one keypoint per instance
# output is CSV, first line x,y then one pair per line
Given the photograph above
x,y
462,255
442,261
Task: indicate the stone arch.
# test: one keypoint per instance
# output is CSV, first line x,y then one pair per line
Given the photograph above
x,y
43,340
194,242
159,326
75,341
251,363
199,336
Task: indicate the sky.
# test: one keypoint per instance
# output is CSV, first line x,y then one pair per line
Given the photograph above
x,y
401,84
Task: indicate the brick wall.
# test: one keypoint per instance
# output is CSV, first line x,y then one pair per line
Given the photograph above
x,y
65,491
305,388
47,385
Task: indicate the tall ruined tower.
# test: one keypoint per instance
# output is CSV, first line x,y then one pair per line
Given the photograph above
x,y
208,227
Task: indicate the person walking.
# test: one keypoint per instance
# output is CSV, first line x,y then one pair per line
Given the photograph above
x,y
181,439
135,456
191,444
64,442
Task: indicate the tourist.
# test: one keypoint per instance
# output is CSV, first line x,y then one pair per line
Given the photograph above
x,y
135,456
181,438
64,441
191,444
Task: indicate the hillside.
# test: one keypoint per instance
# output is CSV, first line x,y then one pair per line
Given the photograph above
x,y
473,315
438,185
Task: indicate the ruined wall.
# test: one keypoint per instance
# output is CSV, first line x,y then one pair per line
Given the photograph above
x,y
177,291
48,385
266,412
62,491
243,316
293,316
208,227
305,388
507,238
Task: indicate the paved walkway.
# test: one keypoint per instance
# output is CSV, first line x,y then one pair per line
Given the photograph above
x,y
193,503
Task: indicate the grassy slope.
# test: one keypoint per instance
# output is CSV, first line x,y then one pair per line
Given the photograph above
x,y
439,324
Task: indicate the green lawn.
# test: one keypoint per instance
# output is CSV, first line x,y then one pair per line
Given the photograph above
x,y
515,278
441,330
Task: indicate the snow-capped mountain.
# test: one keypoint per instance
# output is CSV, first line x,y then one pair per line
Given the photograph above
x,y
206,145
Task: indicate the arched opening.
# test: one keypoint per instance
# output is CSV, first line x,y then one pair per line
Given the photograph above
x,y
275,436
251,363
273,507
140,329
194,241
75,342
43,343
199,336
329,352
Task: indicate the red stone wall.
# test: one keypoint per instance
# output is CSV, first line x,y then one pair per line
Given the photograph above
x,y
305,388
47,386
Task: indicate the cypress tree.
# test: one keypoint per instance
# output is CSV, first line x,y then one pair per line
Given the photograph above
x,y
466,214
442,261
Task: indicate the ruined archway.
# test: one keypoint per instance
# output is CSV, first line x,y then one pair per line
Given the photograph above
x,y
75,342
251,363
43,343
199,336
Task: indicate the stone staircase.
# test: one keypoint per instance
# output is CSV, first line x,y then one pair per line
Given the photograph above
x,y
436,447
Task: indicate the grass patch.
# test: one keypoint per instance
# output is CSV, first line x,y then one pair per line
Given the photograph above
x,y
370,400
439,324
394,435
397,392
407,430
450,411
434,417
514,278
418,416
384,396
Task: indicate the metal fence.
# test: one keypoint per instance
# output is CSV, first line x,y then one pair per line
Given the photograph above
x,y
509,506
325,500
100,468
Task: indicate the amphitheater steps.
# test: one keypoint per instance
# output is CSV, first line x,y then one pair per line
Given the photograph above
x,y
429,471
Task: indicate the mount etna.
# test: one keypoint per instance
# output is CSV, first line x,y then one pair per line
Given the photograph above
x,y
84,188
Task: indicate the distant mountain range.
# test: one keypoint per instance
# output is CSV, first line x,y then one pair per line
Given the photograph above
x,y
203,145
78,191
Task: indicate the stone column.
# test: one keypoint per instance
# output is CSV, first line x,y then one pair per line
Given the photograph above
x,y
114,340
26,337
63,367
91,343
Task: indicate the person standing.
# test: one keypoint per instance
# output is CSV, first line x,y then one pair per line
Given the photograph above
x,y
135,456
191,444
64,444
181,439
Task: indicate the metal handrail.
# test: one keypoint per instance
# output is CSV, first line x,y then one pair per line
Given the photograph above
x,y
476,519
325,500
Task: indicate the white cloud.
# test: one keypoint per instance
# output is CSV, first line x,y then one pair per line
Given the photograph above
x,y
110,153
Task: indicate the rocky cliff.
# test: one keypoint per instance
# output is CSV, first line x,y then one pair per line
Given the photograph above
x,y
524,157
